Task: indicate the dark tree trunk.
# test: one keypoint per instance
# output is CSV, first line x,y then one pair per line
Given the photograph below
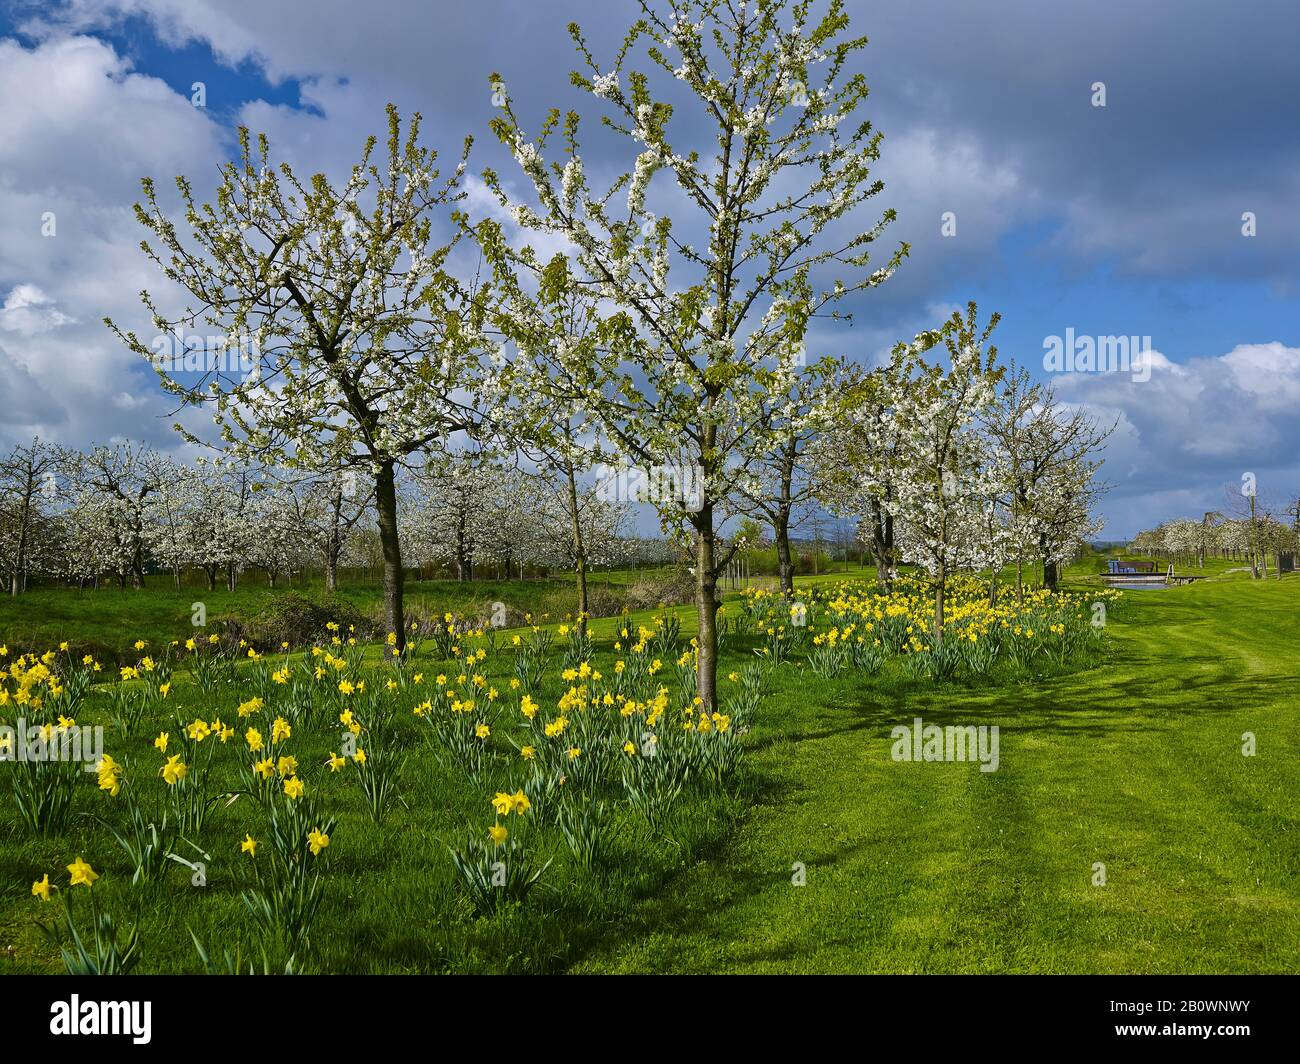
x,y
20,562
464,567
1049,575
881,542
781,520
940,582
334,544
785,565
706,605
386,504
579,551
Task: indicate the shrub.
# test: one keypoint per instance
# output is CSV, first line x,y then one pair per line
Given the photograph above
x,y
670,587
602,601
298,620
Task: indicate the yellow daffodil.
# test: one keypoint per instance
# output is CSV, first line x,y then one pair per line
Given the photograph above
x,y
82,873
174,771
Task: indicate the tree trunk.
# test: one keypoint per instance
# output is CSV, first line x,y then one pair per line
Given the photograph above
x,y
463,572
781,529
1256,552
939,589
334,544
706,606
386,505
579,551
881,535
20,562
1049,575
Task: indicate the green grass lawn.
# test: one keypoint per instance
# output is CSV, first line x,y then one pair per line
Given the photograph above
x,y
942,868
929,867
106,621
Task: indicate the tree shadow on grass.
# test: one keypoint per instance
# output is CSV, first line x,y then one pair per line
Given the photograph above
x,y
1135,693
1116,704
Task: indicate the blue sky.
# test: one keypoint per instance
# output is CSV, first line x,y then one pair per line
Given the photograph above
x,y
1122,220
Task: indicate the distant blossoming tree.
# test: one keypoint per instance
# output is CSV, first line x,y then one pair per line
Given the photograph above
x,y
112,490
362,343
1049,453
801,405
27,474
948,479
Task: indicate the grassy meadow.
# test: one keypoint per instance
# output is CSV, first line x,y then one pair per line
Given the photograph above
x,y
1124,753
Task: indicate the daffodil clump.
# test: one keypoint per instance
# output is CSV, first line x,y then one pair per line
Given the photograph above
x,y
100,950
211,769
254,757
45,693
855,625
563,742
